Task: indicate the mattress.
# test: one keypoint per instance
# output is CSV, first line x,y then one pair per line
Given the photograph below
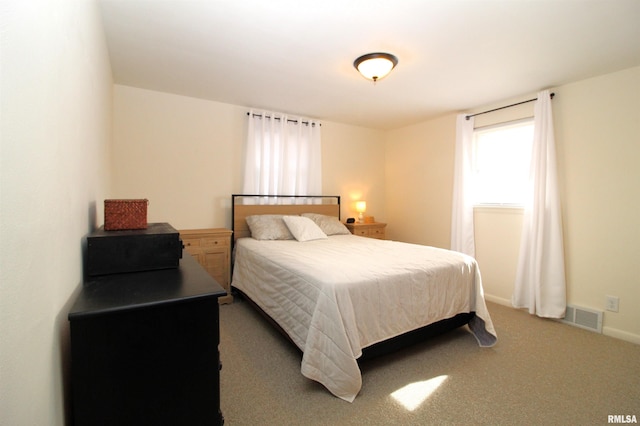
x,y
338,295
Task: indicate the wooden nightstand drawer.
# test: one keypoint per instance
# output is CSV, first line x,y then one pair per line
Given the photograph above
x,y
370,230
190,242
376,233
360,231
214,242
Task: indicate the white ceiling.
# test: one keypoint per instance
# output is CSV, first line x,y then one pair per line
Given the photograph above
x,y
296,56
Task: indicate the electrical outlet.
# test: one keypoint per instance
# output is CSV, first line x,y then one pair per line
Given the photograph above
x,y
613,303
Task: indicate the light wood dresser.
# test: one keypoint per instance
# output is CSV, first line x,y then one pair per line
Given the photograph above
x,y
212,249
371,230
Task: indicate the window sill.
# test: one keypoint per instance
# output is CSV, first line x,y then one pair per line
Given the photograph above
x,y
498,208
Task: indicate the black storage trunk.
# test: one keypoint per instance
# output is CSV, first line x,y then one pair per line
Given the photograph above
x,y
111,252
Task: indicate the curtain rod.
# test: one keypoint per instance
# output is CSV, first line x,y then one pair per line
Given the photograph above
x,y
288,120
504,107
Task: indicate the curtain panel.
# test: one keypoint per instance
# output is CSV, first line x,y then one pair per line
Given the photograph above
x,y
540,277
462,237
283,155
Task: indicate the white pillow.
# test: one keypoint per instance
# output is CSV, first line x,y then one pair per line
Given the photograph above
x,y
303,228
330,225
268,227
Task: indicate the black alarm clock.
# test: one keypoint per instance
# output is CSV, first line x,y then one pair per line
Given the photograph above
x,y
351,220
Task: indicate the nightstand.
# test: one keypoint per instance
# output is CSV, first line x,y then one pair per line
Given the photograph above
x,y
371,230
212,249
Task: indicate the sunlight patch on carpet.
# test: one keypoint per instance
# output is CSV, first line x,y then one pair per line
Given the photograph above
x,y
414,394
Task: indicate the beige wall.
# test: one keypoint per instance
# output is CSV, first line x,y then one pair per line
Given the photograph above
x,y
419,182
183,154
597,123
353,167
497,233
598,129
186,156
55,132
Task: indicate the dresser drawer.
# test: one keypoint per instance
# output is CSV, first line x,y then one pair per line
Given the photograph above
x,y
206,241
361,232
190,242
370,230
376,233
215,242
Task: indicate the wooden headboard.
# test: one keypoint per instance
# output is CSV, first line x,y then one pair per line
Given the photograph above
x,y
243,205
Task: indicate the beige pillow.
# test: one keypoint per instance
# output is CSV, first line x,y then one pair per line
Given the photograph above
x,y
303,228
268,227
330,225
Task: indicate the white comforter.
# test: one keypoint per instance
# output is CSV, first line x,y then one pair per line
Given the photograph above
x,y
336,296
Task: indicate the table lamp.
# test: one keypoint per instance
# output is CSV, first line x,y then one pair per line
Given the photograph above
x,y
361,207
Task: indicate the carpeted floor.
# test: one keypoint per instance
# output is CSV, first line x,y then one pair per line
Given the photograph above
x,y
541,372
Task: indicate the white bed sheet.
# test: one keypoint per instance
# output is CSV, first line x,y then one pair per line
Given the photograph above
x,y
339,295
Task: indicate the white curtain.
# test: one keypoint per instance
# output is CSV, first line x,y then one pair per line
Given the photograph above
x,y
283,155
462,239
540,277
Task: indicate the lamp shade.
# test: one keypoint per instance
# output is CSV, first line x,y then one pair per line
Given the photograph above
x,y
361,206
375,66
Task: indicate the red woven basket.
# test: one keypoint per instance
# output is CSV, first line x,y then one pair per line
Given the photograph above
x,y
122,215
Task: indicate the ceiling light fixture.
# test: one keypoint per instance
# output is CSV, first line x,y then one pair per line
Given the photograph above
x,y
375,66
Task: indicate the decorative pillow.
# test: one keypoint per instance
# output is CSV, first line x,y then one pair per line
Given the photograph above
x,y
330,225
303,228
268,227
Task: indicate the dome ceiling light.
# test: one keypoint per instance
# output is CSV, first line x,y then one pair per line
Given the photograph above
x,y
374,66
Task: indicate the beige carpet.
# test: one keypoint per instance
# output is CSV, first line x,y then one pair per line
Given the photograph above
x,y
541,372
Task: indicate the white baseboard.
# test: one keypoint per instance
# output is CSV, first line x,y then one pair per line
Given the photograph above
x,y
498,300
622,335
607,331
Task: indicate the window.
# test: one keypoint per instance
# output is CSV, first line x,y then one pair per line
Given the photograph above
x,y
501,157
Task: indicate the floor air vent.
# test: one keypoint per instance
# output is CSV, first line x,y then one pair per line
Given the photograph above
x,y
588,319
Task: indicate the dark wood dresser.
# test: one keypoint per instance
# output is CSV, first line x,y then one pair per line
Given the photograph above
x,y
144,348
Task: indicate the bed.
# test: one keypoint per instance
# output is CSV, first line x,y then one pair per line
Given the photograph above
x,y
337,296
